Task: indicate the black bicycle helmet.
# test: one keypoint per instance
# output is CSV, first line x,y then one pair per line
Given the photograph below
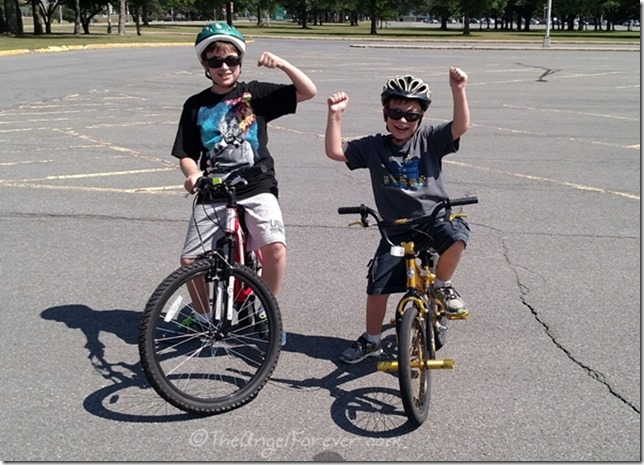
x,y
408,87
219,32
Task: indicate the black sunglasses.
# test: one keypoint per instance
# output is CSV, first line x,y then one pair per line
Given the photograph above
x,y
230,60
396,114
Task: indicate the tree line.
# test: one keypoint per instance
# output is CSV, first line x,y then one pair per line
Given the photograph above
x,y
498,14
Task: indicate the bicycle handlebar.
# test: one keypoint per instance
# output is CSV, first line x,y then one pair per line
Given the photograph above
x,y
464,201
365,212
207,184
351,210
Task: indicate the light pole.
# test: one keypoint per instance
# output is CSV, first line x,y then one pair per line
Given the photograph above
x,y
546,38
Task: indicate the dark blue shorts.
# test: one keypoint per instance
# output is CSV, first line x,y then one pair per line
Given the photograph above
x,y
387,273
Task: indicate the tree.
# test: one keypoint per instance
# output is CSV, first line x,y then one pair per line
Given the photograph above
x,y
301,7
47,12
84,13
469,9
36,17
122,15
263,7
77,17
526,9
443,10
372,16
13,17
229,12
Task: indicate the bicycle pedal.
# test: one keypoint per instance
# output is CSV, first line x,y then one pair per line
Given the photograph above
x,y
441,327
457,317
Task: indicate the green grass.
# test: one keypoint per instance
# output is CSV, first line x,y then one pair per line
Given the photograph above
x,y
185,33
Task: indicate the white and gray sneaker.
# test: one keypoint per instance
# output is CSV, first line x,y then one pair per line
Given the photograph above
x,y
450,300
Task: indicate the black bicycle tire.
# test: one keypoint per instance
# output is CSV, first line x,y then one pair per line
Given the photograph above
x,y
416,404
150,363
440,336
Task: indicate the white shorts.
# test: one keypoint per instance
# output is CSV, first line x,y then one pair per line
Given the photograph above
x,y
262,216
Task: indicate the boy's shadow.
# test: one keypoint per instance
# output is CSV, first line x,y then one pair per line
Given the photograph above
x,y
129,397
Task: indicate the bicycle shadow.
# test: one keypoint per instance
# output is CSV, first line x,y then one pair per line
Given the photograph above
x,y
373,411
129,397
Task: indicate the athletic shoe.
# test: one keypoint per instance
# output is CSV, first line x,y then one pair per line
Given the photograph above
x,y
360,350
450,300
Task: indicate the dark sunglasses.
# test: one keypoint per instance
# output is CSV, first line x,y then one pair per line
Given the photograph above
x,y
230,60
396,114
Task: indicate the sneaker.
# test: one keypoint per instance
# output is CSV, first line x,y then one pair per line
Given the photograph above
x,y
194,322
360,350
262,326
261,323
450,300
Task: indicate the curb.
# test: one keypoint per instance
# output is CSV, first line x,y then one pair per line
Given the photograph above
x,y
67,48
399,44
523,47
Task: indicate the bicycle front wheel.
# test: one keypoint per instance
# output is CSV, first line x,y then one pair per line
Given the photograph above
x,y
209,366
413,352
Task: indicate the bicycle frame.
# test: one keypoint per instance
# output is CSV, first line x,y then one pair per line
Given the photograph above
x,y
419,281
234,246
419,278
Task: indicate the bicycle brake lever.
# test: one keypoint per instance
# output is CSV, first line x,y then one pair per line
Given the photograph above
x,y
239,180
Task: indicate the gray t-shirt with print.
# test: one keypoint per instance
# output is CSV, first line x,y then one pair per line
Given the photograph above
x,y
406,180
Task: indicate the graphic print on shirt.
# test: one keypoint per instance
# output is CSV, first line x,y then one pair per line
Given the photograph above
x,y
229,132
405,175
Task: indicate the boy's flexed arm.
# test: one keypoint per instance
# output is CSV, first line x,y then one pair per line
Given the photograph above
x,y
333,135
304,87
461,117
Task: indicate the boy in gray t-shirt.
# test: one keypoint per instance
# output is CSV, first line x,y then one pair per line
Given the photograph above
x,y
405,168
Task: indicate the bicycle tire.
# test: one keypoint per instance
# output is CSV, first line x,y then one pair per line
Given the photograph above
x,y
217,367
440,335
414,349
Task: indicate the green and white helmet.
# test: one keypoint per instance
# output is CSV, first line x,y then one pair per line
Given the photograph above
x,y
216,32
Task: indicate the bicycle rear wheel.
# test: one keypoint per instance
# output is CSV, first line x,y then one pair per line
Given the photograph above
x,y
414,350
214,367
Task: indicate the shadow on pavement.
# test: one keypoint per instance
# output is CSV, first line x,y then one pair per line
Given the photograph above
x,y
129,397
371,412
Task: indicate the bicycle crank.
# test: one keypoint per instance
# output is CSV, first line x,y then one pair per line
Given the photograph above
x,y
392,365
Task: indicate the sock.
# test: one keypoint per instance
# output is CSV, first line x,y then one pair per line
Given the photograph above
x,y
438,283
371,338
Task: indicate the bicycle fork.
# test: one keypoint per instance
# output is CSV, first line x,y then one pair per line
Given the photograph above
x,y
433,364
233,253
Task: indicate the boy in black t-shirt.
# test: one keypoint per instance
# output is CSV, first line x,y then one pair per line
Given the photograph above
x,y
224,128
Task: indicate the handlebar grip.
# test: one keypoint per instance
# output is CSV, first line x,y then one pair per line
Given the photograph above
x,y
464,201
349,210
202,182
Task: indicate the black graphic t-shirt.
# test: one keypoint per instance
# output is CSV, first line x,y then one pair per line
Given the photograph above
x,y
223,133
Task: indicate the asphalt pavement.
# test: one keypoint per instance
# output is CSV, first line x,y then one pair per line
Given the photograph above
x,y
92,218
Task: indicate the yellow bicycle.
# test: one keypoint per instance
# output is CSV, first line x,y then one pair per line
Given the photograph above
x,y
420,321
